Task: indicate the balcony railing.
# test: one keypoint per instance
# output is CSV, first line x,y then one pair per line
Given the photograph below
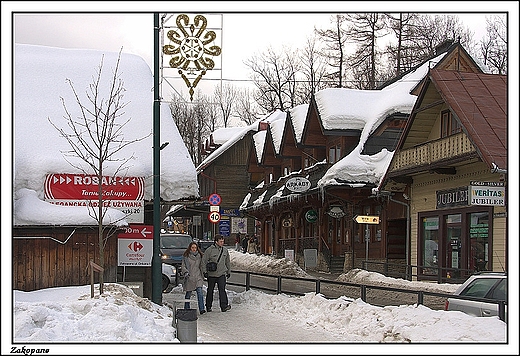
x,y
433,151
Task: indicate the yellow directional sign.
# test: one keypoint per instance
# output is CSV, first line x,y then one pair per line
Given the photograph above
x,y
366,219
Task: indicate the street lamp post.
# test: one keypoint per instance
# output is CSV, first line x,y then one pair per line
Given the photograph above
x,y
156,257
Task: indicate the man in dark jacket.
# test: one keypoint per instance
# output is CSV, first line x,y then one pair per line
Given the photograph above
x,y
244,243
219,254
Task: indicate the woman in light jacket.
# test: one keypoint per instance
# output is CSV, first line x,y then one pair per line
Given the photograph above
x,y
191,269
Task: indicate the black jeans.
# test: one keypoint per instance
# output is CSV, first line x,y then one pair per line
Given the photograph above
x,y
222,296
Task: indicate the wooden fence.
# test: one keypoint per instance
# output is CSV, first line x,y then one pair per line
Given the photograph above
x,y
58,256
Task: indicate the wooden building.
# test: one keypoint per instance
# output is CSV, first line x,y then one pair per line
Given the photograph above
x,y
224,172
452,163
340,146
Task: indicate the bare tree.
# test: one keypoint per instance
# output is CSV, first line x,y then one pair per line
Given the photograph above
x,y
274,75
313,69
96,137
246,108
225,96
213,114
431,31
195,120
402,54
334,40
493,47
364,30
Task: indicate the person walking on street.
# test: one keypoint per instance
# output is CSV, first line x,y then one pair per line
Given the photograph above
x,y
191,269
244,243
251,245
219,255
238,245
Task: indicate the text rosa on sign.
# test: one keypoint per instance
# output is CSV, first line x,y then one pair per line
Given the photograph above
x,y
80,186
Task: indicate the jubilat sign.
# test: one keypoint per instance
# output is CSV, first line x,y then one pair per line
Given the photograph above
x,y
298,184
122,193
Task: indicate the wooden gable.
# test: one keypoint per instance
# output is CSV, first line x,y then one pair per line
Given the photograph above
x,y
288,147
269,156
456,58
312,135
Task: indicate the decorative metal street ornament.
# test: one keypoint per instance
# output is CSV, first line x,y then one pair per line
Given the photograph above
x,y
191,49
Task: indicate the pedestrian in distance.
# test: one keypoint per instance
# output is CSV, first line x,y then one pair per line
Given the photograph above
x,y
257,244
251,245
191,269
219,255
238,243
245,241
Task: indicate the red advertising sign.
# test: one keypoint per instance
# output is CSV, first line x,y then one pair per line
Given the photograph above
x,y
85,187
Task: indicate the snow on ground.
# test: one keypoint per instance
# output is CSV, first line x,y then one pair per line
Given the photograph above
x,y
60,318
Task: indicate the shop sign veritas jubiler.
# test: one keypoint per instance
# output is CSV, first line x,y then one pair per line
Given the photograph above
x,y
122,193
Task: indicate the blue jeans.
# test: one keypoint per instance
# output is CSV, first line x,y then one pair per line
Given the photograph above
x,y
200,299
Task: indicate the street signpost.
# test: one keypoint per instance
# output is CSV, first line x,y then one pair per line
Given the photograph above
x,y
214,199
214,217
214,214
366,219
135,246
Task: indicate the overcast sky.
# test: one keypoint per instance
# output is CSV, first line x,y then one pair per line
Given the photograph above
x,y
240,35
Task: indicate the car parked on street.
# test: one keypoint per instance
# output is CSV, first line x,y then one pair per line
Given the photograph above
x,y
489,285
172,247
169,277
204,244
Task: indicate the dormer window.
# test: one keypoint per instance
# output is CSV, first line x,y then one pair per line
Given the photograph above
x,y
449,124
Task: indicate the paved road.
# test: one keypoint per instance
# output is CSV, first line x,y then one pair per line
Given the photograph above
x,y
244,324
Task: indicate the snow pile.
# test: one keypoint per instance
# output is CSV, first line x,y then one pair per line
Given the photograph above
x,y
361,276
116,315
265,264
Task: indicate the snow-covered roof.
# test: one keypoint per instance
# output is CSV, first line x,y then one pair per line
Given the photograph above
x,y
365,110
40,75
298,115
220,136
342,108
277,125
237,135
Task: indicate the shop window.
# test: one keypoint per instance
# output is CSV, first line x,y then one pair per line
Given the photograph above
x,y
479,237
449,124
430,233
287,227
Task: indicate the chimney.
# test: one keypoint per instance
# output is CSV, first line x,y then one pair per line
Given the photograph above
x,y
263,125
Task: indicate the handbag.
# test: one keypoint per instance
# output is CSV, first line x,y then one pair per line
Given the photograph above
x,y
212,266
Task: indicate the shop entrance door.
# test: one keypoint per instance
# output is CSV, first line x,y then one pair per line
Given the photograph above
x,y
453,245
